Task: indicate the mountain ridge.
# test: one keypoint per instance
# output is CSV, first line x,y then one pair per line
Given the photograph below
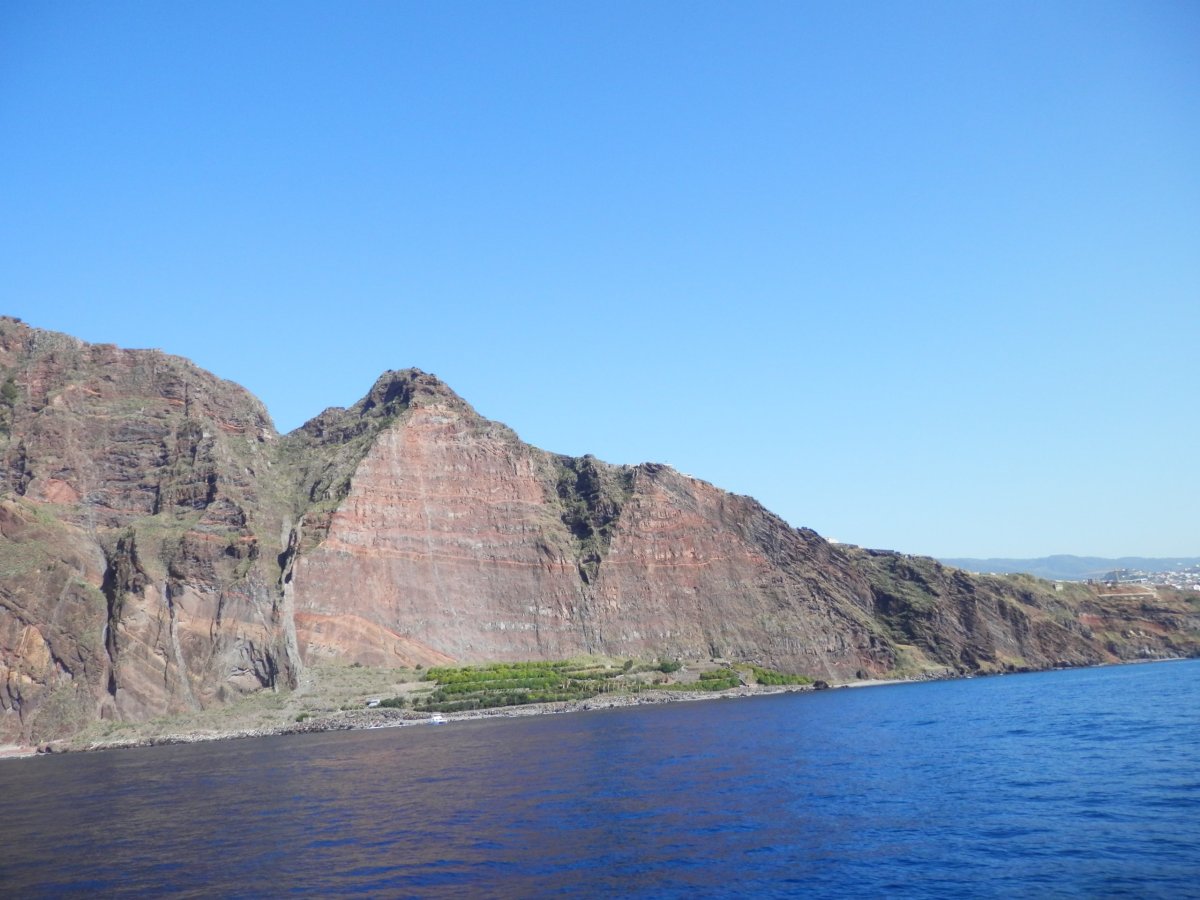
x,y
164,549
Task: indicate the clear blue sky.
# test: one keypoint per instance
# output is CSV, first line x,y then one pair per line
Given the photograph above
x,y
918,275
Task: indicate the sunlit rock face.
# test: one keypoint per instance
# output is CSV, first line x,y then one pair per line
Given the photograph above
x,y
455,540
163,549
447,546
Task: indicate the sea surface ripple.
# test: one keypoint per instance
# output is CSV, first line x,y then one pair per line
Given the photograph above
x,y
1082,783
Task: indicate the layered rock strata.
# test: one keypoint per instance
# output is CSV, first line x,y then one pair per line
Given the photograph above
x,y
162,548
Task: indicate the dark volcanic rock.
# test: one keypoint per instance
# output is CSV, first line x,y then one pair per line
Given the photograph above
x,y
162,548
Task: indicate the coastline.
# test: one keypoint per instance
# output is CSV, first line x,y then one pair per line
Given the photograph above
x,y
371,719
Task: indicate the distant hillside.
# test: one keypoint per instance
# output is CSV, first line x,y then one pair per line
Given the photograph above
x,y
1072,568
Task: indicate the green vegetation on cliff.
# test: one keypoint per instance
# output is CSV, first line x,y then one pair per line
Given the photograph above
x,y
515,684
465,688
591,494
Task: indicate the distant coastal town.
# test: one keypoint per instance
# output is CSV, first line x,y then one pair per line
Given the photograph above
x,y
1184,577
1175,572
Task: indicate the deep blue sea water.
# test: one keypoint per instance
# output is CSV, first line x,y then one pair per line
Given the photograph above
x,y
1082,783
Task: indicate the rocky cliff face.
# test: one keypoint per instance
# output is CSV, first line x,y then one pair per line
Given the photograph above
x,y
135,580
162,548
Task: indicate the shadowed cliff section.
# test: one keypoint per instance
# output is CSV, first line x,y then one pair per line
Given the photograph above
x,y
592,494
162,550
150,479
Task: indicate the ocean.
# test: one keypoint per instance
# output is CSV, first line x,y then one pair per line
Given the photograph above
x,y
1081,783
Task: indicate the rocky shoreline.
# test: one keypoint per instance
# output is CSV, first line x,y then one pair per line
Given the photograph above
x,y
370,719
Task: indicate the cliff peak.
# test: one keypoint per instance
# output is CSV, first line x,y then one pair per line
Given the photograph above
x,y
397,390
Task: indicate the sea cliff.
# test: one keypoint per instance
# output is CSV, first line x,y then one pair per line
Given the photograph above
x,y
163,550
